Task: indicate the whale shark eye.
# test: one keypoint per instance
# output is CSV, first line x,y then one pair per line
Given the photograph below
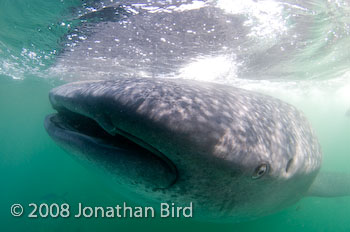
x,y
260,171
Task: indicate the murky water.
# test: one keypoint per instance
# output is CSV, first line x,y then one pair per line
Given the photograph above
x,y
296,51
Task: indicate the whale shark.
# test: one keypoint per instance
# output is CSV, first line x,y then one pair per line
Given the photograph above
x,y
235,154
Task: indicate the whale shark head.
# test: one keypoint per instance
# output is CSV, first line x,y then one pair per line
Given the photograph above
x,y
235,154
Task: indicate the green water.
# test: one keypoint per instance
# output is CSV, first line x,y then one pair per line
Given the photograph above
x,y
33,169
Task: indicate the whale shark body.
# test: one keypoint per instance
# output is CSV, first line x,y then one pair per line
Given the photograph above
x,y
234,153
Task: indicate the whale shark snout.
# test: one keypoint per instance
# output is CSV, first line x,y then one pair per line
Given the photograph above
x,y
233,153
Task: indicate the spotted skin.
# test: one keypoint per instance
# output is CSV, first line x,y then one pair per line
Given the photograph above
x,y
218,138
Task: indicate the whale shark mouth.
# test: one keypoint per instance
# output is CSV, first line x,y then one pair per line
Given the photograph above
x,y
80,124
74,131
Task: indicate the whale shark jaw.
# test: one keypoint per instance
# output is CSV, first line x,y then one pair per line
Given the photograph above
x,y
116,154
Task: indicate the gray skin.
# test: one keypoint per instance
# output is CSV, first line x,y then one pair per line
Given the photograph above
x,y
234,153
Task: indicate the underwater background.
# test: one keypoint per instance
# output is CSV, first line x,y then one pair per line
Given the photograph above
x,y
298,51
